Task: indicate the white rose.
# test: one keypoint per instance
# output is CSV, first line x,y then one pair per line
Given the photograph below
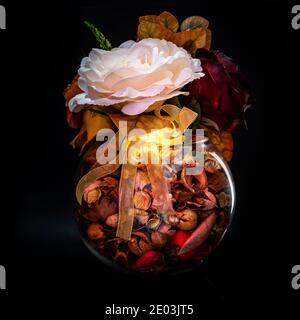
x,y
135,75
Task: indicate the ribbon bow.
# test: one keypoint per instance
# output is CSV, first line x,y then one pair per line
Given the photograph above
x,y
176,118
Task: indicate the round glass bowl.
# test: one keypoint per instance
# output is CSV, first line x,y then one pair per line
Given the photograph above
x,y
160,242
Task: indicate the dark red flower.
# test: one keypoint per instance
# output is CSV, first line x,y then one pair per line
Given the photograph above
x,y
223,93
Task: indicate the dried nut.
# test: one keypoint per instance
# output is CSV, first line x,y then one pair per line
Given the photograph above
x,y
112,221
92,193
93,196
153,223
158,239
95,231
187,219
142,200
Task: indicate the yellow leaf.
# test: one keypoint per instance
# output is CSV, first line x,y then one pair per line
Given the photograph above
x,y
169,21
194,39
193,23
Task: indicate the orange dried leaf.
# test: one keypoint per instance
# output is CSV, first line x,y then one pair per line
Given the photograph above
x,y
148,29
169,21
192,40
74,119
227,142
72,89
150,18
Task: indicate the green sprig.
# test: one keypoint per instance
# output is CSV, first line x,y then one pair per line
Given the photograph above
x,y
103,42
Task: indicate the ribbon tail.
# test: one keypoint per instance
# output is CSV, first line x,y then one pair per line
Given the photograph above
x,y
126,205
160,188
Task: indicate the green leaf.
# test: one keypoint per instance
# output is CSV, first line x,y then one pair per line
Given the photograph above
x,y
103,42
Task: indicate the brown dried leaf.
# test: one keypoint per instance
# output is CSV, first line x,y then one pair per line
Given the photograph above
x,y
169,21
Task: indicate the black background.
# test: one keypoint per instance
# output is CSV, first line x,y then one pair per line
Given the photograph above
x,y
40,246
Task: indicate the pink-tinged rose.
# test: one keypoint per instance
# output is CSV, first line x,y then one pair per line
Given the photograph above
x,y
223,93
135,76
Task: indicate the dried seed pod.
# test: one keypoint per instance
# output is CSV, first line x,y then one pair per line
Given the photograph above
x,y
92,193
142,200
187,219
112,221
93,196
154,223
95,231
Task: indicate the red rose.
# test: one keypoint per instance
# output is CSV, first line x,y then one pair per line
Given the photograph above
x,y
223,93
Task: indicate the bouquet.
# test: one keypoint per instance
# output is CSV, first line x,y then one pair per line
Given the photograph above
x,y
155,117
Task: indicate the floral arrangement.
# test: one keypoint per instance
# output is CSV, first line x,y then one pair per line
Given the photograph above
x,y
138,216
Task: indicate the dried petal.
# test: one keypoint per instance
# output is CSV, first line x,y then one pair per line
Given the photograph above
x,y
151,261
201,233
153,223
